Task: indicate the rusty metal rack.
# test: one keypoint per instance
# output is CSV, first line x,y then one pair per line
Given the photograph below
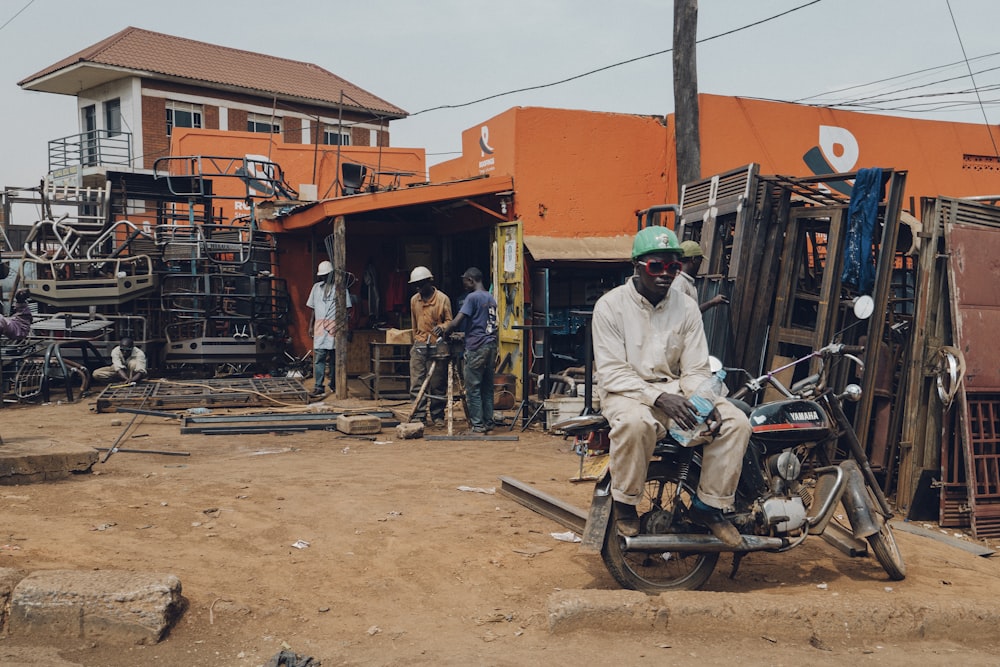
x,y
215,393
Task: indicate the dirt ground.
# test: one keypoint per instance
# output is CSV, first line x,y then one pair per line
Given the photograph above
x,y
401,567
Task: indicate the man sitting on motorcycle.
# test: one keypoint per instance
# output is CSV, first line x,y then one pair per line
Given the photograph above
x,y
650,352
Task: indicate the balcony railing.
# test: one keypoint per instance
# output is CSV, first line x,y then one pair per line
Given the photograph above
x,y
89,149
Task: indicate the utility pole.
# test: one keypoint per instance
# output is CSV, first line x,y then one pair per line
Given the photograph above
x,y
686,92
340,300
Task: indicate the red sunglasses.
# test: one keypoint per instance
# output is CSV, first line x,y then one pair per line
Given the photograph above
x,y
656,267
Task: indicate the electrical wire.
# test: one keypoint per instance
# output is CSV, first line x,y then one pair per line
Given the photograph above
x,y
607,67
7,22
891,78
958,34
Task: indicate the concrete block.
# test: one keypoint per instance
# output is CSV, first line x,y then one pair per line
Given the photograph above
x,y
107,605
9,577
604,610
359,424
410,430
23,461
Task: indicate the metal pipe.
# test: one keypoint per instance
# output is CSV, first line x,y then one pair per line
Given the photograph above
x,y
833,495
841,538
699,543
588,363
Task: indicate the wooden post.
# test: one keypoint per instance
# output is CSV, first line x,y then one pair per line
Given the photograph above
x,y
686,92
340,294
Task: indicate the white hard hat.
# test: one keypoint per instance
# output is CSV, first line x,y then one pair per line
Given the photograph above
x,y
324,268
420,273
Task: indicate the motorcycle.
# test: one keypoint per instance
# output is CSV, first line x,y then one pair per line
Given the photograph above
x,y
789,489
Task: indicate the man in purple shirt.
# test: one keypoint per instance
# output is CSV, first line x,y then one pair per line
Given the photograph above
x,y
18,325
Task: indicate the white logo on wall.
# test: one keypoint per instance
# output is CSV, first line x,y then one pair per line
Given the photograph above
x,y
839,147
487,163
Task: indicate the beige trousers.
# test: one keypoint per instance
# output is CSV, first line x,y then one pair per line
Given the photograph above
x,y
108,373
635,428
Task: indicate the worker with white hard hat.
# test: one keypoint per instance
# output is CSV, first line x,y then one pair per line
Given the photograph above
x,y
429,307
323,324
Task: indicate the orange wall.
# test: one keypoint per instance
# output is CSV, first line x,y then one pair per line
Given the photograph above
x,y
576,173
778,136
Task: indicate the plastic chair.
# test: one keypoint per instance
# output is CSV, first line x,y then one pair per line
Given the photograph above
x,y
353,177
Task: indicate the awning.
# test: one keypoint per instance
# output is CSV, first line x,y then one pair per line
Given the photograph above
x,y
430,193
580,249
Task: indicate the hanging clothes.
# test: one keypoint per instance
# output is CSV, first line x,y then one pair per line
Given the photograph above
x,y
374,299
396,298
862,213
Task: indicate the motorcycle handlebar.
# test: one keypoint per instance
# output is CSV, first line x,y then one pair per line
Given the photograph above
x,y
754,385
841,349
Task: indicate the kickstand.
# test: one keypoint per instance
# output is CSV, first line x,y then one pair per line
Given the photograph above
x,y
737,559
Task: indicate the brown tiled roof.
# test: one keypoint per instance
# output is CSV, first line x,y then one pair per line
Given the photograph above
x,y
203,63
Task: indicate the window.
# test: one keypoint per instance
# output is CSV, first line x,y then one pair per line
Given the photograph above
x,y
88,118
181,114
113,117
259,123
335,135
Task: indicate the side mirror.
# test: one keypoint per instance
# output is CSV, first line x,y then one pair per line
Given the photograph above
x,y
714,364
864,307
852,393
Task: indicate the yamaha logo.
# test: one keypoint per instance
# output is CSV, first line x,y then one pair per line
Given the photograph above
x,y
809,416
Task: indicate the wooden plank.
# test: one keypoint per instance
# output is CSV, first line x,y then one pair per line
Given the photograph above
x,y
882,289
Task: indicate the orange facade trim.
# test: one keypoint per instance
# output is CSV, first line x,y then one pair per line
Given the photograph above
x,y
940,158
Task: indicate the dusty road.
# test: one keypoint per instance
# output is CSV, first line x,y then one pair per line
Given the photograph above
x,y
402,567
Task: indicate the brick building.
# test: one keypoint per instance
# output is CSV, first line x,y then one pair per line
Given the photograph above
x,y
135,86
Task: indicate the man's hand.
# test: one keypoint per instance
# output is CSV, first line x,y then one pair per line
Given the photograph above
x,y
439,331
714,422
718,300
677,408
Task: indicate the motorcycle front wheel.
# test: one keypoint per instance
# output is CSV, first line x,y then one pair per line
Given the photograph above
x,y
886,552
654,573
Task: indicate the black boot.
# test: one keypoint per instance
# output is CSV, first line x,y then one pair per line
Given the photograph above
x,y
712,518
627,519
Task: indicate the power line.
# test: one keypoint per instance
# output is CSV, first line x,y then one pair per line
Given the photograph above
x,y
972,78
7,22
892,78
883,96
607,67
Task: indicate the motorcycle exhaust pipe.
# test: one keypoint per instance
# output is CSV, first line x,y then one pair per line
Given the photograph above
x,y
702,543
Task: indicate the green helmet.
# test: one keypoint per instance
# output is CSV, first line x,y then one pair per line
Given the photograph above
x,y
654,239
691,249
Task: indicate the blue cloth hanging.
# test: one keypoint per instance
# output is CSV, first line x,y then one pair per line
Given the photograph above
x,y
862,212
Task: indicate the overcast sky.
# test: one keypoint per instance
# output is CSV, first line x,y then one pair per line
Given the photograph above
x,y
420,54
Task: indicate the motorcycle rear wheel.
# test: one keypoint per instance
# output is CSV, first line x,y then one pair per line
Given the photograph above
x,y
654,573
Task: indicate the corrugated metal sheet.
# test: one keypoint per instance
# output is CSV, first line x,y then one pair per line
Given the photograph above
x,y
590,248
